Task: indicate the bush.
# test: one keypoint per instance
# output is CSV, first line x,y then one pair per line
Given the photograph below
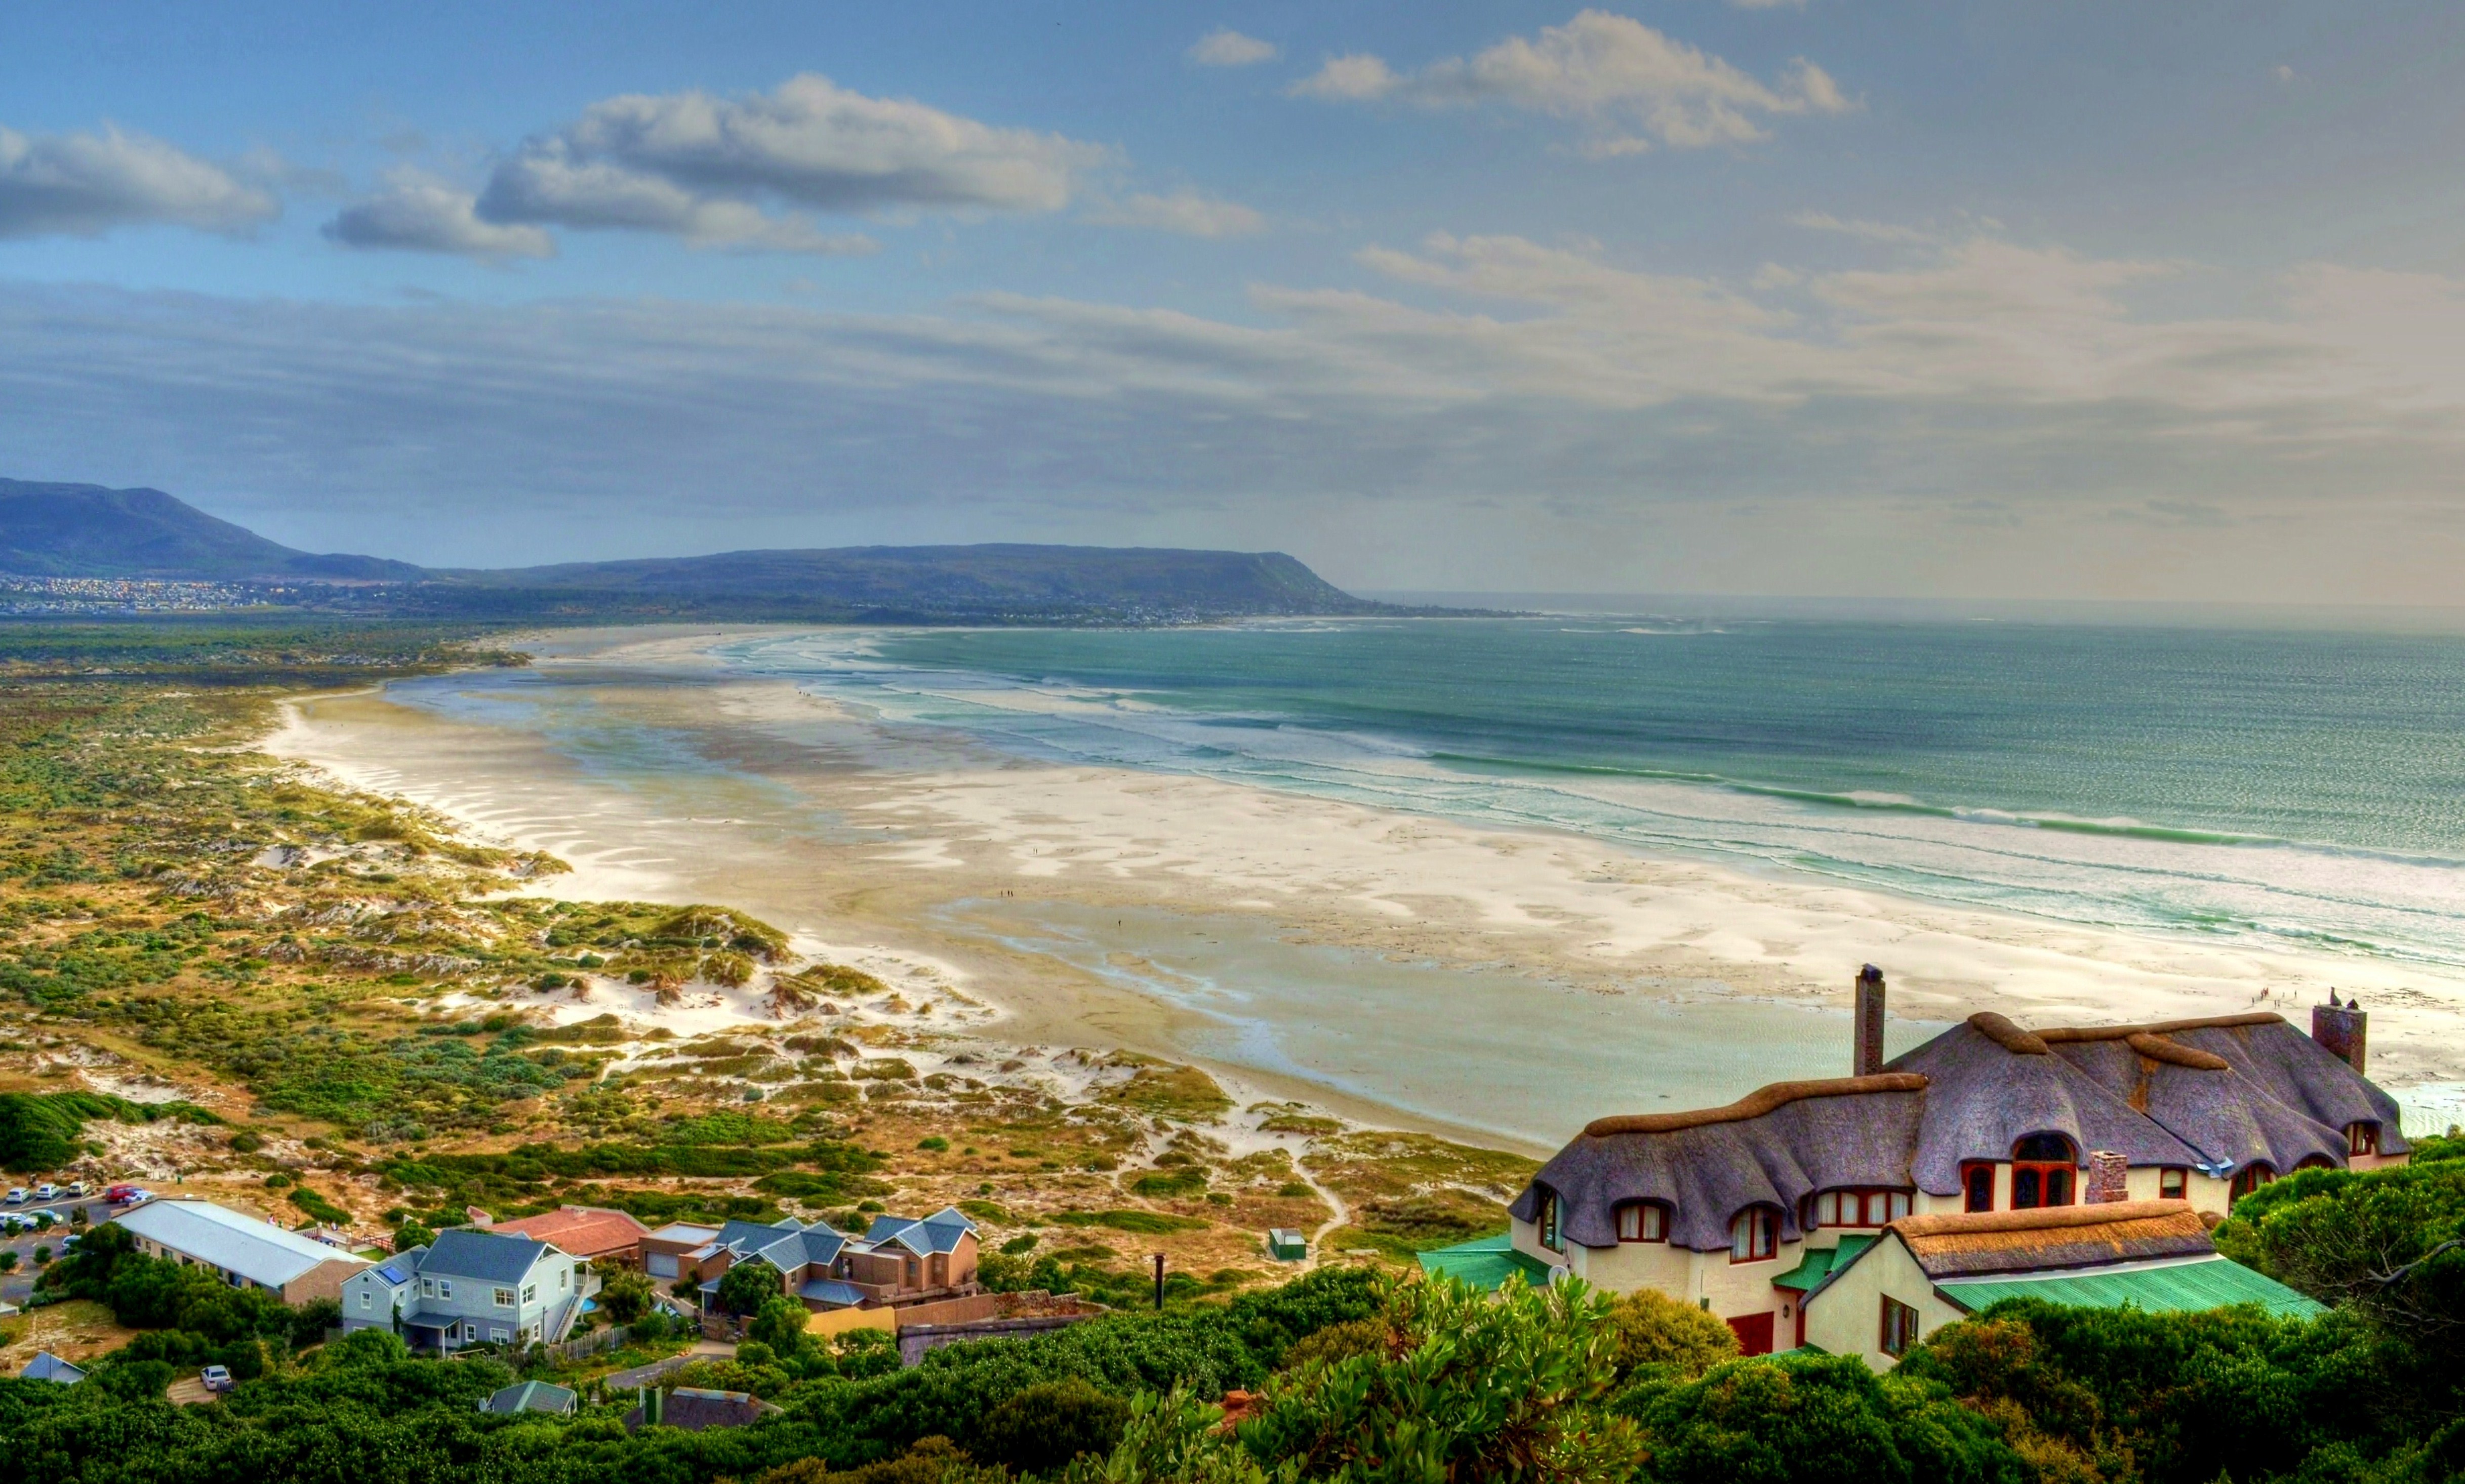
x,y
746,1286
626,1296
1047,1424
780,1325
1657,1331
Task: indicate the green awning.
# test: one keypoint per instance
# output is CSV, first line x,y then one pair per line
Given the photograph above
x,y
1485,1262
1821,1262
2169,1288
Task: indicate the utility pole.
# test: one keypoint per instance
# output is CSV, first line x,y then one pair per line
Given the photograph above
x,y
1159,1262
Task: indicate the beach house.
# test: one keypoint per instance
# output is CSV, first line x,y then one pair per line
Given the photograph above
x,y
472,1288
240,1249
898,1260
1979,1136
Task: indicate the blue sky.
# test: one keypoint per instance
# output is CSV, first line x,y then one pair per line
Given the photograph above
x,y
1825,297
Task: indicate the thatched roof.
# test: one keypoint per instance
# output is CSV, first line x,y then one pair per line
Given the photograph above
x,y
1850,1131
1955,1244
2211,1095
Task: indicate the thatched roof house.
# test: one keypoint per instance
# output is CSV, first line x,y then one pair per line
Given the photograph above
x,y
1744,1208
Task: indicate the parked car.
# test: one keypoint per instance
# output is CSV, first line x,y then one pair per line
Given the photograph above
x,y
216,1377
74,1189
12,1223
47,1192
121,1195
16,1195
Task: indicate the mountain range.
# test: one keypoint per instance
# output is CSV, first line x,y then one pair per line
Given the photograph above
x,y
88,531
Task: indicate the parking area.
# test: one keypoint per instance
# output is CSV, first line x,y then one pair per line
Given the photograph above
x,y
19,1280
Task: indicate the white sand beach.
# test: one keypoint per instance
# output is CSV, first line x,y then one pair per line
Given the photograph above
x,y
1506,985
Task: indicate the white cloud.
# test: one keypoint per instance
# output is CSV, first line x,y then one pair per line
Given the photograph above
x,y
1355,78
1864,231
1184,212
1633,86
84,185
1225,47
422,213
809,143
548,184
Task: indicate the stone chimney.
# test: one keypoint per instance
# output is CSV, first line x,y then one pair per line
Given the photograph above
x,y
2343,1029
1868,1028
2107,1179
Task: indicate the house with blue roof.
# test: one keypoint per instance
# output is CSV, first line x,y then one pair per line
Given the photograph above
x,y
470,1288
898,1260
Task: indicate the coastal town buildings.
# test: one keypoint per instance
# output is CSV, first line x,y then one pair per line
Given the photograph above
x,y
240,1249
898,1260
594,1233
1981,1153
470,1288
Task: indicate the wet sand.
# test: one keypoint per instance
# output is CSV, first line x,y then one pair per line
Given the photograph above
x,y
1503,986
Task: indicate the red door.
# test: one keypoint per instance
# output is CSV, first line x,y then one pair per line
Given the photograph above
x,y
1754,1333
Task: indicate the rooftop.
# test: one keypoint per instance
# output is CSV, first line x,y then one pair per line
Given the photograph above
x,y
483,1256
1962,1244
583,1231
529,1396
1485,1263
220,1237
2182,1286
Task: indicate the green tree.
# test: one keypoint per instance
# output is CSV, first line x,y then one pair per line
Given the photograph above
x,y
2390,1244
746,1286
626,1296
1657,1331
1049,1424
780,1323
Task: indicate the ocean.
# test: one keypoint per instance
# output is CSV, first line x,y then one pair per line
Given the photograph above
x,y
2290,788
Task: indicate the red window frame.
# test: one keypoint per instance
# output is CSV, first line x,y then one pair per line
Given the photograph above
x,y
2039,1182
2173,1183
1754,1234
1977,1186
1868,1206
1898,1328
1643,1221
2250,1177
2362,1137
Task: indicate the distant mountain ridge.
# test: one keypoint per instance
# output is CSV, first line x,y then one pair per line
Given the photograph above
x,y
85,530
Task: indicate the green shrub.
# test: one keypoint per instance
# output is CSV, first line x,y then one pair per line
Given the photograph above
x,y
1047,1425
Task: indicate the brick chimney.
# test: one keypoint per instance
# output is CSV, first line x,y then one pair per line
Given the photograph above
x,y
2107,1177
2343,1029
1868,1028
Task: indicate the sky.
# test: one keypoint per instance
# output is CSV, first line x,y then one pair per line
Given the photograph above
x,y
1838,297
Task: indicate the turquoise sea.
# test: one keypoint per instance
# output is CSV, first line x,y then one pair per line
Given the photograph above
x,y
2303,789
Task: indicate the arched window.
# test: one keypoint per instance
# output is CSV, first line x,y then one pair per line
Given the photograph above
x,y
1545,1219
1977,1186
2250,1177
2173,1183
2361,1139
2315,1161
1643,1221
2043,1169
1754,1234
1861,1206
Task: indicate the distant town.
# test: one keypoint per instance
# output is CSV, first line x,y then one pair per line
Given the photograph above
x,y
97,596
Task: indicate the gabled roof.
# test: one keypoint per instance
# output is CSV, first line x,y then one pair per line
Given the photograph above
x,y
481,1256
47,1366
583,1231
831,1290
939,1232
529,1396
220,1237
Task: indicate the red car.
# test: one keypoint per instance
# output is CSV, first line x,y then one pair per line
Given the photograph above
x,y
121,1195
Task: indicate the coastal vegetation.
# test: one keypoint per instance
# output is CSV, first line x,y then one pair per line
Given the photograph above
x,y
220,971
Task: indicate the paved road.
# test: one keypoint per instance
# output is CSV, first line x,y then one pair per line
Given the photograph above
x,y
15,1285
644,1375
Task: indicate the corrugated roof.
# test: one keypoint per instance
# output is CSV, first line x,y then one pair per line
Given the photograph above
x,y
1485,1263
529,1396
685,1231
482,1256
2214,1282
220,1237
1820,1262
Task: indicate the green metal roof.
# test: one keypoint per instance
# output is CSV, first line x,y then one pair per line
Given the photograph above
x,y
2209,1283
1821,1262
1485,1262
